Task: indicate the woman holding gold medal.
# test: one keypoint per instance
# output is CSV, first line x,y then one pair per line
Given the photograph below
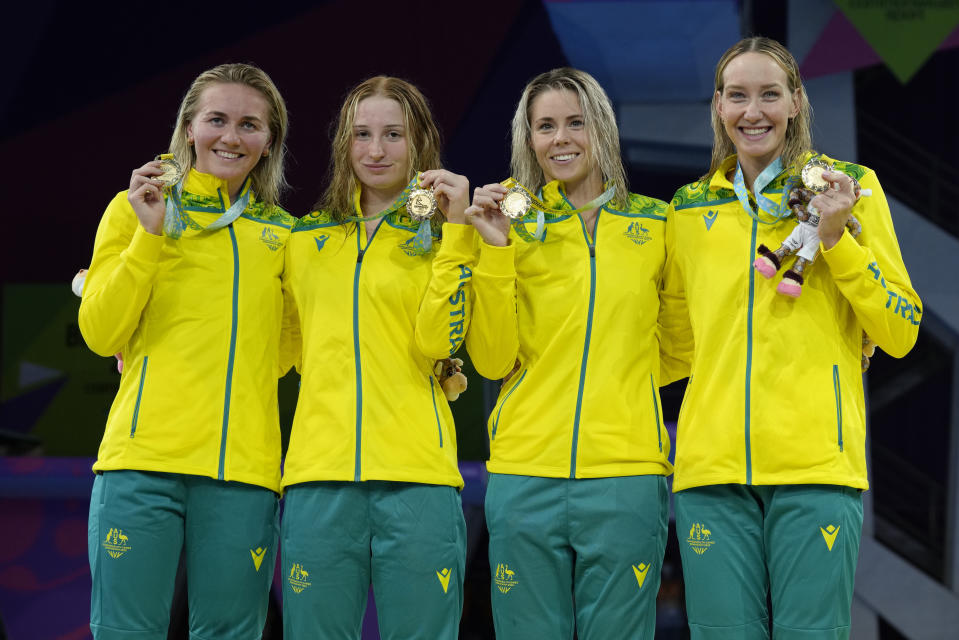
x,y
771,462
565,310
371,475
185,282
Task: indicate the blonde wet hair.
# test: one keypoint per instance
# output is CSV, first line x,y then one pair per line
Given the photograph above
x,y
798,139
601,130
422,134
267,176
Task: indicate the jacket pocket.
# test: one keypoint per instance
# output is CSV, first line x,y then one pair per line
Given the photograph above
x,y
136,407
439,427
503,402
682,405
838,392
659,430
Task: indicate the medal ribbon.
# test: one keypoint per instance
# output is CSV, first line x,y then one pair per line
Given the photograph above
x,y
423,241
541,209
777,211
174,219
397,204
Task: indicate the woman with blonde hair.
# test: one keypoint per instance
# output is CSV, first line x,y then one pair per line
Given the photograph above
x,y
771,460
382,292
565,310
185,282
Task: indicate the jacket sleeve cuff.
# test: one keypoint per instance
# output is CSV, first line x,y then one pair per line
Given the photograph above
x,y
145,247
846,256
497,261
457,238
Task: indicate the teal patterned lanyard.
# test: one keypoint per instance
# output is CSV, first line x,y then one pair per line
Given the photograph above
x,y
423,241
175,219
778,210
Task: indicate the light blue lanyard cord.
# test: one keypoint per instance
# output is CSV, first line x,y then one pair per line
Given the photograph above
x,y
174,220
778,211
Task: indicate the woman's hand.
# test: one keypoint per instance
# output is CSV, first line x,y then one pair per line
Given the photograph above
x,y
486,216
451,191
146,197
834,206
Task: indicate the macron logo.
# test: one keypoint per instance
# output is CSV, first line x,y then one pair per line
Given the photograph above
x,y
709,218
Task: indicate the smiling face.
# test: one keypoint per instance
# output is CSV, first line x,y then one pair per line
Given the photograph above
x,y
379,151
230,132
755,105
560,140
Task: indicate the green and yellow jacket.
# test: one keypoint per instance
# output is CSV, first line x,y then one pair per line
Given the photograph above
x,y
775,395
374,316
571,323
198,322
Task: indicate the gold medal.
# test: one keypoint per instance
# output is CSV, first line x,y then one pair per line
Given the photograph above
x,y
519,200
421,205
172,172
812,175
515,203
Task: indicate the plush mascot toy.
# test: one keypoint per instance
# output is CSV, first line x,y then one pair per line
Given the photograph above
x,y
804,239
449,372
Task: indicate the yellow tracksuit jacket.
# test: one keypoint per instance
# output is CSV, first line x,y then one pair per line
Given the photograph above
x,y
578,318
374,317
775,395
198,322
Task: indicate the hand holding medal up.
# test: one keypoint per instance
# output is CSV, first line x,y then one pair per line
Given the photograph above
x,y
443,189
487,216
146,190
823,209
836,193
513,201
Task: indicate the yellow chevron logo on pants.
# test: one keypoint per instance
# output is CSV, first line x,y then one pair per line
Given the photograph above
x,y
444,578
640,571
829,535
258,554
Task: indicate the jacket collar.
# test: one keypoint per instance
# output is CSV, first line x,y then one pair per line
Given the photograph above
x,y
205,184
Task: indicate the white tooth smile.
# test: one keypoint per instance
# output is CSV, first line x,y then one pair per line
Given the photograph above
x,y
755,132
565,156
227,154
